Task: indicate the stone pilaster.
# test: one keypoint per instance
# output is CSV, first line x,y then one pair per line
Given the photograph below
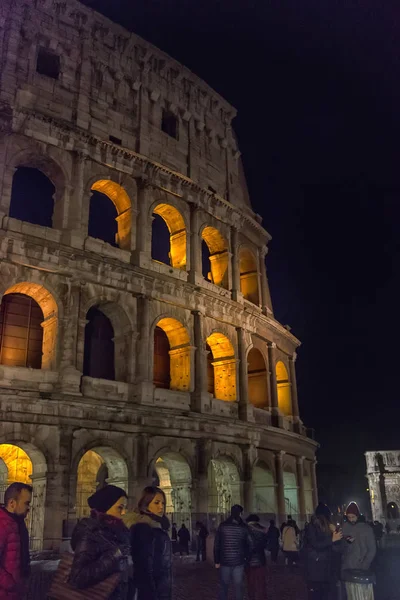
x,y
314,482
266,303
245,409
200,396
300,485
295,399
275,414
280,486
195,246
236,294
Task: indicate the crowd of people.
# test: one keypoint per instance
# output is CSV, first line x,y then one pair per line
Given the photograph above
x,y
133,551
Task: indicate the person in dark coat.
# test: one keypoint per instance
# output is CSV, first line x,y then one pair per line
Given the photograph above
x,y
174,538
151,546
184,539
101,543
14,542
321,542
255,567
202,535
232,549
273,535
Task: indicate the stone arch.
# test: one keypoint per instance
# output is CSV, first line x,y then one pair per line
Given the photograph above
x,y
284,389
264,489
123,205
291,491
224,365
179,353
172,472
223,485
249,280
26,463
257,376
218,256
98,466
49,307
177,228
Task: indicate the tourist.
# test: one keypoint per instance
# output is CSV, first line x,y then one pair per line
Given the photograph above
x,y
378,532
321,551
151,546
14,542
273,536
202,534
232,549
184,539
256,566
174,538
101,543
360,549
290,543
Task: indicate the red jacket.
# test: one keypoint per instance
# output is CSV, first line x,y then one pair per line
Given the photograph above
x,y
11,586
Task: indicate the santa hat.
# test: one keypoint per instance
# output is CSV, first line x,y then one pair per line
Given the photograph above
x,y
353,509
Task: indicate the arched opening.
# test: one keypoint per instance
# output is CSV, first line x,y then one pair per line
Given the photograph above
x,y
26,464
217,258
110,214
284,389
172,355
99,351
28,327
172,474
291,495
21,332
264,490
224,366
392,510
249,276
98,467
223,486
308,489
257,379
210,372
168,243
32,197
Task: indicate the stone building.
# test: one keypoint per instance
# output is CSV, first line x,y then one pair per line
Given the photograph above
x,y
383,473
138,340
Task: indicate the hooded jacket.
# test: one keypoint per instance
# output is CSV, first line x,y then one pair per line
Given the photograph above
x,y
259,538
151,554
360,553
10,558
320,554
101,548
233,543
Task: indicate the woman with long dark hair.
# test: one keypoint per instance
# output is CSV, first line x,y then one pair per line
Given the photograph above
x,y
151,546
322,542
101,543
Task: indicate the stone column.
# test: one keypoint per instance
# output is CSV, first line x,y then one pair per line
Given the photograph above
x,y
245,409
143,226
78,205
280,486
295,400
200,396
300,486
273,384
314,482
266,303
144,379
200,485
195,245
236,294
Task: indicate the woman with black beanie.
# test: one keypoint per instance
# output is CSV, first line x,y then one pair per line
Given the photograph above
x,y
151,546
322,542
101,543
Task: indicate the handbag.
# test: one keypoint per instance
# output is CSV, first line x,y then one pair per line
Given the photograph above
x,y
60,589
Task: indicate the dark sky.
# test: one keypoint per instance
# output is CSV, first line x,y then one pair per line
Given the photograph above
x,y
317,88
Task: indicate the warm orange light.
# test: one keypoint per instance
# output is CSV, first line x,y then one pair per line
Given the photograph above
x,y
219,260
284,389
224,364
18,463
122,203
180,356
248,276
177,230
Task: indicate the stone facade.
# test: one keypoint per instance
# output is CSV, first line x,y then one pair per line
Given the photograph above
x,y
383,472
98,110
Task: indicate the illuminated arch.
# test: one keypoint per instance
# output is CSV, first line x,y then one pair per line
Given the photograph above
x,y
291,492
284,389
218,256
49,308
172,473
264,489
223,485
224,364
249,276
177,232
179,353
123,206
257,379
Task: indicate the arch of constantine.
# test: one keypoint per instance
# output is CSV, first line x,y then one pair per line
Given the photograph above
x,y
138,342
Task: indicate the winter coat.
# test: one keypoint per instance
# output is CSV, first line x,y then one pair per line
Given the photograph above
x,y
259,544
289,539
273,535
11,579
360,553
184,535
233,543
151,554
101,548
320,554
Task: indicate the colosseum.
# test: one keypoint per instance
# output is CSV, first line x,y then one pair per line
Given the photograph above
x,y
138,341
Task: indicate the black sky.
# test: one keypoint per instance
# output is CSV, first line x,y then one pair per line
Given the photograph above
x,y
317,88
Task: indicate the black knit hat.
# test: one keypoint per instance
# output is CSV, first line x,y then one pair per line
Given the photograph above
x,y
323,510
105,498
253,518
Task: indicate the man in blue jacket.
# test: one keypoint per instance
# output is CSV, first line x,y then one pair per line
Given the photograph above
x,y
232,549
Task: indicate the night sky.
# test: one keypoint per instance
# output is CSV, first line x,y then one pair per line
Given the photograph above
x,y
317,88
